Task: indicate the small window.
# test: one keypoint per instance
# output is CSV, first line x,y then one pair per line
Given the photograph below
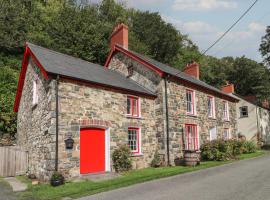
x,y
35,90
133,106
192,137
243,111
213,133
134,140
190,102
211,107
130,70
226,134
225,110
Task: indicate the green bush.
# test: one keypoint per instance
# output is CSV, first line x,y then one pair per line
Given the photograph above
x,y
121,159
221,150
249,147
156,162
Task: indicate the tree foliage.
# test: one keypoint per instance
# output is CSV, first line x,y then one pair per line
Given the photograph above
x,y
265,47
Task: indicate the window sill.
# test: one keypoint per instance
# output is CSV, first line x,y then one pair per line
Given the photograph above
x,y
136,155
213,118
226,120
191,115
243,117
133,117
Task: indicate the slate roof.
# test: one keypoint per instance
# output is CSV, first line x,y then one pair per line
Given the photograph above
x,y
175,72
68,66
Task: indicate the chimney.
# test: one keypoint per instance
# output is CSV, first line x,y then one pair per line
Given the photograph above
x,y
119,36
228,88
193,69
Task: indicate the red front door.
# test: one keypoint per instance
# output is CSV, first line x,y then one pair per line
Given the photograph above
x,y
92,150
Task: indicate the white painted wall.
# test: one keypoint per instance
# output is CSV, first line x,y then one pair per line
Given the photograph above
x,y
258,120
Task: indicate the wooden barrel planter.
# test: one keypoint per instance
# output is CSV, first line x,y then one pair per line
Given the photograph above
x,y
192,158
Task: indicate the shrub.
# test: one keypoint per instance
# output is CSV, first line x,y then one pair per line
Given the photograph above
x,y
249,147
121,159
156,162
221,150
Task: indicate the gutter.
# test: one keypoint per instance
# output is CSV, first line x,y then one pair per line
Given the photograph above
x,y
167,121
56,121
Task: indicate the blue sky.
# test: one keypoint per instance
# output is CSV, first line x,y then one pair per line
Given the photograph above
x,y
205,20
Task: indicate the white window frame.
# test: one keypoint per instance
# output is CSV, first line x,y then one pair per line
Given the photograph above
x,y
240,111
193,102
211,133
212,113
139,141
35,90
225,110
228,134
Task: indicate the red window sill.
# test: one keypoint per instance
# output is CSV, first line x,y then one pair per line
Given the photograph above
x,y
133,117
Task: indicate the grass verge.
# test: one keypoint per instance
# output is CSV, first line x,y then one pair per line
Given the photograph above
x,y
75,190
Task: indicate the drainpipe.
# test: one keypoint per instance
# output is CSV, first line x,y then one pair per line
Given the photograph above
x,y
258,129
56,121
167,121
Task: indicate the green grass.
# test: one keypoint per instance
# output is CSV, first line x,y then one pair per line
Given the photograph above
x,y
74,190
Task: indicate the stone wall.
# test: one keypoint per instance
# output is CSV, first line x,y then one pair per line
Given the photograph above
x,y
176,106
178,117
36,124
80,103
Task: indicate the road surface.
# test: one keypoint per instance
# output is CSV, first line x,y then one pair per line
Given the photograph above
x,y
242,180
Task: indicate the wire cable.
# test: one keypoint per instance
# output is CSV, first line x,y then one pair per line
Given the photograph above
x,y
230,27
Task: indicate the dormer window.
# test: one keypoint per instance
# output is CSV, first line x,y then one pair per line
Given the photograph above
x,y
130,70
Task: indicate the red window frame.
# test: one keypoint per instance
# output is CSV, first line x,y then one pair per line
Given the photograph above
x,y
137,151
192,102
133,101
212,112
192,143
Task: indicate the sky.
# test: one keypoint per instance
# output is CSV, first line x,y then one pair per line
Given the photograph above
x,y
205,20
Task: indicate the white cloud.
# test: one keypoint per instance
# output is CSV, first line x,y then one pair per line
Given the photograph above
x,y
198,27
201,5
256,27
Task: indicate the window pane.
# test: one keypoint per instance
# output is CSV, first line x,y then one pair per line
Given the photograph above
x,y
128,105
133,140
135,107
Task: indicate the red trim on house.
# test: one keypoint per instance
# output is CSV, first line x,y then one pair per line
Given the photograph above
x,y
132,99
138,139
134,57
202,89
162,73
195,139
25,62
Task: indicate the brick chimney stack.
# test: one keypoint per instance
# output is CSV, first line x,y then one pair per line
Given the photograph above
x,y
228,88
193,69
119,36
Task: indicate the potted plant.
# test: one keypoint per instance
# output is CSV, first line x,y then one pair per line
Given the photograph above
x,y
57,179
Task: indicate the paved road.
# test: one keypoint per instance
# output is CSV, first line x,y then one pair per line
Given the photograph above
x,y
243,180
6,191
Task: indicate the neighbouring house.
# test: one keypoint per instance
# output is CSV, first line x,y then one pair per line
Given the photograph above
x,y
253,117
73,114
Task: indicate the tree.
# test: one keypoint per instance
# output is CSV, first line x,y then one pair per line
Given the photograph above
x,y
265,47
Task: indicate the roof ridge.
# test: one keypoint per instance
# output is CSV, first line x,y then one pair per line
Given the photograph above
x,y
63,54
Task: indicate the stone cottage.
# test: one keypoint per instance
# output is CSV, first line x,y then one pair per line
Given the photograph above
x,y
253,117
133,100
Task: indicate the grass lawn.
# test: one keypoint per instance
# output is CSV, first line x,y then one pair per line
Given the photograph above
x,y
79,189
